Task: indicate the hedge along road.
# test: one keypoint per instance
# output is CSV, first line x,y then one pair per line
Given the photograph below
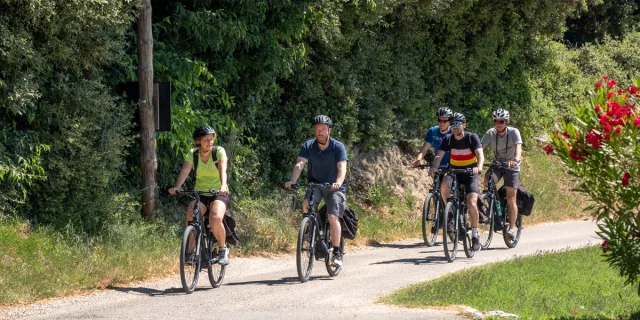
x,y
258,288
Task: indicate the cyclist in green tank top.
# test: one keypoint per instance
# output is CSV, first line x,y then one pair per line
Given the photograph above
x,y
211,174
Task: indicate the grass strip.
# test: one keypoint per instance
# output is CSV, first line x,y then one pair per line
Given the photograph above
x,y
559,285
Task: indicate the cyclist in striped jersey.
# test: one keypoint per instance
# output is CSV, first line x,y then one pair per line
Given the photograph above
x,y
465,152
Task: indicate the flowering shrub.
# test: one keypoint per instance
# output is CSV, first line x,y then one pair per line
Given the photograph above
x,y
601,147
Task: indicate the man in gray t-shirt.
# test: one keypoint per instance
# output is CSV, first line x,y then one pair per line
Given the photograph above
x,y
506,144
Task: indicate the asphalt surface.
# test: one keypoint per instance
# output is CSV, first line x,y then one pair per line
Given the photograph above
x,y
259,288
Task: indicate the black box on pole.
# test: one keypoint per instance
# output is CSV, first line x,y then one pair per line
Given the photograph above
x,y
161,102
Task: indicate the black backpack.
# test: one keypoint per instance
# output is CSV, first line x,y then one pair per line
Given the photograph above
x,y
524,199
228,221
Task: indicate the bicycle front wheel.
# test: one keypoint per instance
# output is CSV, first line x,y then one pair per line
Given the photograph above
x,y
486,213
430,221
450,234
189,260
304,252
332,270
465,232
215,270
517,229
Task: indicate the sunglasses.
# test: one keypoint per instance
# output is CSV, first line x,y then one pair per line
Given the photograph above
x,y
499,121
443,121
456,124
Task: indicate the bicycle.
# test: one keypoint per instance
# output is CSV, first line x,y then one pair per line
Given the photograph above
x,y
314,239
494,205
199,246
456,210
432,209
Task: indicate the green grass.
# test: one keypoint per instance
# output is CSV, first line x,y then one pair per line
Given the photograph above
x,y
40,263
569,284
544,177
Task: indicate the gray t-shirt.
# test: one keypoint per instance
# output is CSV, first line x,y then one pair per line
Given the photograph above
x,y
506,150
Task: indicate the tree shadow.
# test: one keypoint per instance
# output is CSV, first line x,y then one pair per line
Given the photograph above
x,y
279,282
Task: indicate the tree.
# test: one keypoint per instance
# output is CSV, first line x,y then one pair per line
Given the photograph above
x,y
148,161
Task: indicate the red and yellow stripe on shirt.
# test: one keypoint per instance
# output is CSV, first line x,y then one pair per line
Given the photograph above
x,y
463,157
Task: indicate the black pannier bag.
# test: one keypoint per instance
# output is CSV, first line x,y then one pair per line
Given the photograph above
x,y
524,199
349,222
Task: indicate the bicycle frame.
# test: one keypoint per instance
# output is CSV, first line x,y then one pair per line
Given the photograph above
x,y
197,221
317,224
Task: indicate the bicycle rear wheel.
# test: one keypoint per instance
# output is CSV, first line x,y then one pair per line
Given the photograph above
x,y
511,243
189,260
485,227
304,252
333,271
450,234
215,270
430,221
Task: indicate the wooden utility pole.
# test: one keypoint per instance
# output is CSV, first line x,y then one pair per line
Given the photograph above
x,y
149,163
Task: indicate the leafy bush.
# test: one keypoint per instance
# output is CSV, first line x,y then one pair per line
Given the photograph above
x,y
601,147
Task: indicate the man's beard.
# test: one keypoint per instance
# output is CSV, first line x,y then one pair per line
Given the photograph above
x,y
322,142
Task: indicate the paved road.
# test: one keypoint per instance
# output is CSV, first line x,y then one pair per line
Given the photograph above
x,y
259,288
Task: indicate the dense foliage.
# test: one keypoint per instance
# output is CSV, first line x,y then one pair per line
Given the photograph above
x,y
601,147
257,71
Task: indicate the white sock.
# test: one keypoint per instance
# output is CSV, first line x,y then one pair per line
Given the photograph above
x,y
474,232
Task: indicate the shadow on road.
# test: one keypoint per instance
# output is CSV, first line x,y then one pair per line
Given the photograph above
x,y
280,282
425,260
154,292
396,245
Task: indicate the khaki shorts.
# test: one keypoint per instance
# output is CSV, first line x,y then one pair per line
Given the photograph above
x,y
511,177
335,200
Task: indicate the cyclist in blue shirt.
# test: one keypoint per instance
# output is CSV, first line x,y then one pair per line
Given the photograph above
x,y
327,159
434,137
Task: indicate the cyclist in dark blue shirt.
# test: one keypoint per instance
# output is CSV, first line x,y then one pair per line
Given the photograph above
x,y
327,159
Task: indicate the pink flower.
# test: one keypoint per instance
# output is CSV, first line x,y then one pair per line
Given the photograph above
x,y
598,108
605,77
598,84
605,246
606,136
637,122
607,128
632,90
625,179
609,95
617,129
548,149
604,119
611,83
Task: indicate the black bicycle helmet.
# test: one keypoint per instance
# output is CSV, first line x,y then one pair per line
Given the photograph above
x,y
202,131
322,119
444,112
458,117
501,114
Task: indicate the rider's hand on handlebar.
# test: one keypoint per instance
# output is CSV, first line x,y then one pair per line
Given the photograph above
x,y
335,186
224,190
432,171
288,184
476,170
512,164
173,190
416,163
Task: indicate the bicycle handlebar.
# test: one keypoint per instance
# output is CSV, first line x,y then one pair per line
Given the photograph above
x,y
501,165
310,185
211,192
